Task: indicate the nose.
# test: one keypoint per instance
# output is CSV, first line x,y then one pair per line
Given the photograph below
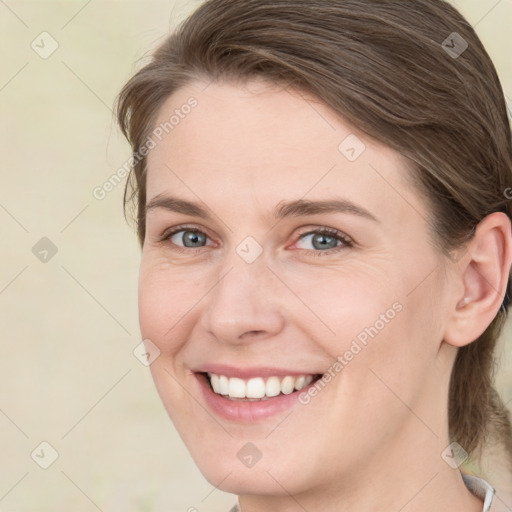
x,y
244,304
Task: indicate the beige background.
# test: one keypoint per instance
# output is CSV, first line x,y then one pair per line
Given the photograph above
x,y
69,326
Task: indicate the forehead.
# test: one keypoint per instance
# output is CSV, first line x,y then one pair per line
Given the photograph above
x,y
263,143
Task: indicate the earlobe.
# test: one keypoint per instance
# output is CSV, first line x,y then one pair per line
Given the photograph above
x,y
483,273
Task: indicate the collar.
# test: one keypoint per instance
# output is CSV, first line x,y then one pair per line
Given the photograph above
x,y
481,489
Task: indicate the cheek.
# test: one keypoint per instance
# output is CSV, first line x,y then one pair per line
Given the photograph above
x,y
390,362
375,328
340,304
167,300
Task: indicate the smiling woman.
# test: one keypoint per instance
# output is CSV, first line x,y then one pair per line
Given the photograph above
x,y
326,250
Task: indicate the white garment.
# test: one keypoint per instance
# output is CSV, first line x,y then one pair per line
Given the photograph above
x,y
479,487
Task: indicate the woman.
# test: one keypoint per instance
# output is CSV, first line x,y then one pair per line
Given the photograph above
x,y
320,190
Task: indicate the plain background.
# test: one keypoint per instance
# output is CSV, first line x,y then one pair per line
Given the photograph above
x,y
69,324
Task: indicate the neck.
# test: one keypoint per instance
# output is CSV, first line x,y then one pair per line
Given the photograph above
x,y
408,476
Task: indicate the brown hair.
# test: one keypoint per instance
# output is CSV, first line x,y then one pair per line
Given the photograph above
x,y
390,68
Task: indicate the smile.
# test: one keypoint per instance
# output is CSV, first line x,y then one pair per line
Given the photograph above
x,y
251,394
257,388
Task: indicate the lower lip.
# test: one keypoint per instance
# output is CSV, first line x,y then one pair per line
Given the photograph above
x,y
247,412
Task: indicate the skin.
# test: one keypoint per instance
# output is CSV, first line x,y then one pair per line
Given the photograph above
x,y
372,438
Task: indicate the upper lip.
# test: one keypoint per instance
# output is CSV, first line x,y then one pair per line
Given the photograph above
x,y
249,372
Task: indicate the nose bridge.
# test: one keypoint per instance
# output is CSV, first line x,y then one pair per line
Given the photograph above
x,y
243,301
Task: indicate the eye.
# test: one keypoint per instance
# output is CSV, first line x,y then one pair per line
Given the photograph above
x,y
188,238
320,241
324,240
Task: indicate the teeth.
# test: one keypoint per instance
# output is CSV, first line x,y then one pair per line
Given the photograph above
x,y
257,387
236,388
273,387
214,381
288,385
299,383
223,385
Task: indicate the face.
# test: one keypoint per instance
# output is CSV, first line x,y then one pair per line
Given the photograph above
x,y
292,290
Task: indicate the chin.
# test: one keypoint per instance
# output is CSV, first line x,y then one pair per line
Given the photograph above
x,y
258,480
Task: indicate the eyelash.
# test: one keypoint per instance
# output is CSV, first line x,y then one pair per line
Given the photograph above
x,y
347,242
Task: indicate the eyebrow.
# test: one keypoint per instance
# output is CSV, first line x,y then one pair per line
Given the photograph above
x,y
296,208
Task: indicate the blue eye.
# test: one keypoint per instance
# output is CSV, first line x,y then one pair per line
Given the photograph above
x,y
189,238
321,240
325,241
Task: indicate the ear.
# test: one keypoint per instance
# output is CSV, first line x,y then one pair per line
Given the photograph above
x,y
481,279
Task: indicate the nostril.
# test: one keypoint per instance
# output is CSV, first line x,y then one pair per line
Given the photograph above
x,y
251,334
